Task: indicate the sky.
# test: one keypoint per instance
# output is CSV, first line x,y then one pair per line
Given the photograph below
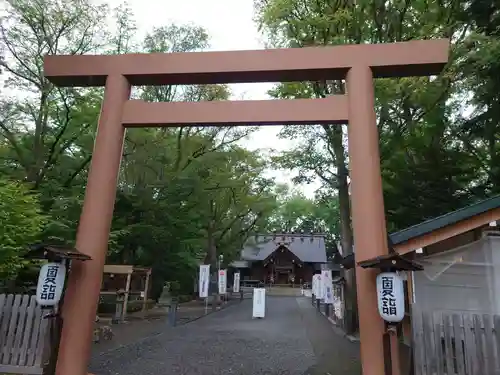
x,y
230,25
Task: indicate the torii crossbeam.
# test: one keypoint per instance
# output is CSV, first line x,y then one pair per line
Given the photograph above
x,y
358,64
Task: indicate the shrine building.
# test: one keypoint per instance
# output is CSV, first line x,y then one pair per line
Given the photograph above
x,y
282,259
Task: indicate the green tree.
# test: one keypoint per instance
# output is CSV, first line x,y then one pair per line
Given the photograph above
x,y
30,30
479,85
413,114
21,223
180,189
295,212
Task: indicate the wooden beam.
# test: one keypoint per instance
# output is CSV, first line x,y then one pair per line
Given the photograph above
x,y
331,110
141,269
412,58
118,269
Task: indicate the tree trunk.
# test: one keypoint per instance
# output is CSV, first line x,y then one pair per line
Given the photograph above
x,y
346,234
211,258
211,255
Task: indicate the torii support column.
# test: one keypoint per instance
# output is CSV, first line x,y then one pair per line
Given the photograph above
x,y
359,64
367,206
92,236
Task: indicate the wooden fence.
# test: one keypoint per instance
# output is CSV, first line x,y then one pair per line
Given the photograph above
x,y
463,344
23,335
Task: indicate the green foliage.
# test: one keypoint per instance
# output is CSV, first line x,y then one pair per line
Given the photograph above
x,y
21,223
184,194
296,213
435,156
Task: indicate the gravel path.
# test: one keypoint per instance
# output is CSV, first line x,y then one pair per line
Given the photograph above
x,y
137,328
335,355
291,340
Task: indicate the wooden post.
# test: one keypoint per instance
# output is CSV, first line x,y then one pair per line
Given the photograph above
x,y
120,298
146,289
127,292
394,348
343,305
84,280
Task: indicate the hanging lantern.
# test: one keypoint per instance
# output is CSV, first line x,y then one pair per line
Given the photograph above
x,y
50,284
390,286
391,297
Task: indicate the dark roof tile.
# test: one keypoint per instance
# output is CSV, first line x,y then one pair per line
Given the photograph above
x,y
307,247
445,220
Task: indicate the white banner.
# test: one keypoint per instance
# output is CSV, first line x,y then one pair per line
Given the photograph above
x,y
318,290
322,286
326,276
316,282
204,280
222,282
259,303
50,284
236,283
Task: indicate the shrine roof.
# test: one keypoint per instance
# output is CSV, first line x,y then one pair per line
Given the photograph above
x,y
308,248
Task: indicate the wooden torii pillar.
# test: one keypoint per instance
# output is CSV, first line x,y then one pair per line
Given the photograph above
x,y
358,64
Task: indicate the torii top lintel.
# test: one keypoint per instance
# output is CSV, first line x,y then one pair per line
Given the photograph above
x,y
413,58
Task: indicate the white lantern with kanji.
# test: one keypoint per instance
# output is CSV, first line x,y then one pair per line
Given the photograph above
x,y
50,284
391,297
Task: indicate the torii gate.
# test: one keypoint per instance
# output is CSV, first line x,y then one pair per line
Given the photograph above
x,y
358,64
